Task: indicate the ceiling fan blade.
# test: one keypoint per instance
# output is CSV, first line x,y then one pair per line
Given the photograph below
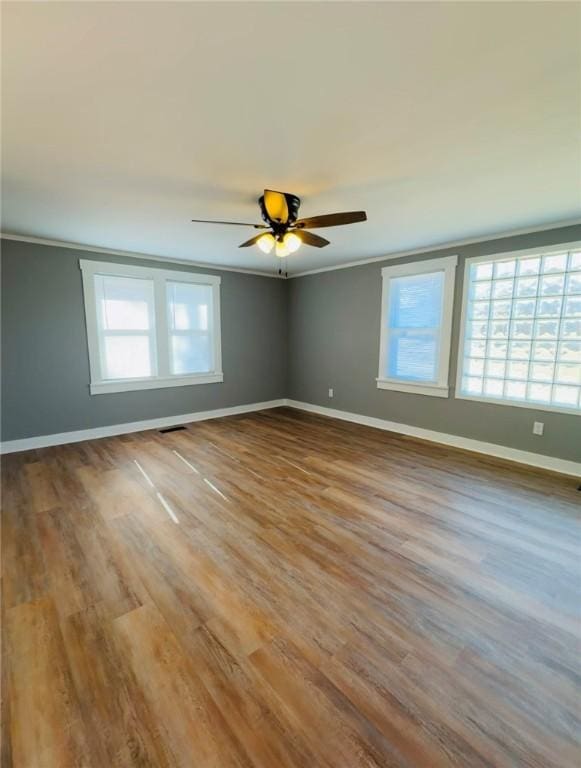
x,y
252,241
236,223
331,220
276,206
309,238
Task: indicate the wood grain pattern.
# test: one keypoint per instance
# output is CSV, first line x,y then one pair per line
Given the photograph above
x,y
281,590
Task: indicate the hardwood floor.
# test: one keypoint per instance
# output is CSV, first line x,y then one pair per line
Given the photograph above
x,y
283,590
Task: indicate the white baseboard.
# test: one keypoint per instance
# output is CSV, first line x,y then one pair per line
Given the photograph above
x,y
44,441
490,449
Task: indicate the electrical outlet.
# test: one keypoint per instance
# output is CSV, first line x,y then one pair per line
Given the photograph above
x,y
330,392
538,427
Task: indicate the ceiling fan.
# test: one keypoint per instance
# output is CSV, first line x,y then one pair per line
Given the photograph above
x,y
285,232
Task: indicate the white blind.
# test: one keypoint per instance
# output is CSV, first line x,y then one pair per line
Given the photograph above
x,y
522,334
126,327
190,327
414,319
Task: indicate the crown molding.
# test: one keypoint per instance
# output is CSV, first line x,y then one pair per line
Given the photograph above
x,y
132,254
426,249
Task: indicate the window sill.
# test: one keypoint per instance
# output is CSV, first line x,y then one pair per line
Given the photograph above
x,y
531,405
130,385
434,390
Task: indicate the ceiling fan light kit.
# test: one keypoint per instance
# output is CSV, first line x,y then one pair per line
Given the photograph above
x,y
266,242
286,233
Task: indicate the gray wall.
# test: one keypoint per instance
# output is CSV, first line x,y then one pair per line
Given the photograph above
x,y
45,364
334,321
292,338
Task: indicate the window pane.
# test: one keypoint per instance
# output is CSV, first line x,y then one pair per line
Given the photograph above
x,y
573,306
542,371
529,266
126,357
502,289
126,303
495,368
476,348
413,357
499,330
471,385
527,286
516,389
566,396
568,373
482,271
555,263
190,353
474,366
497,349
493,387
500,309
574,283
529,347
518,369
571,329
519,350
544,350
540,393
570,351
549,307
481,291
524,308
190,306
416,301
481,310
414,318
504,269
552,284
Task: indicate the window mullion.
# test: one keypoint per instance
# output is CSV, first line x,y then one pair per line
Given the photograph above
x,y
161,327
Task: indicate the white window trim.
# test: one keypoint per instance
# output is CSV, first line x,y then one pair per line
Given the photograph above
x,y
160,277
447,264
507,256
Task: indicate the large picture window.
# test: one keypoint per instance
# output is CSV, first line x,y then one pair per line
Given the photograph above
x,y
521,329
150,328
416,323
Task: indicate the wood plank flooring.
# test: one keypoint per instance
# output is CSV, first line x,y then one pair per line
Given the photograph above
x,y
281,590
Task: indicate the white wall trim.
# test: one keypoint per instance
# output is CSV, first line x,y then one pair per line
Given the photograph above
x,y
477,446
158,334
134,255
62,438
154,382
433,390
426,250
446,265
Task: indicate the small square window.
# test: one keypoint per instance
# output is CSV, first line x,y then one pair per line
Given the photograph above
x,y
529,345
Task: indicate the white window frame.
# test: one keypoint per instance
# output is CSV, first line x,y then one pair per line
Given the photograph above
x,y
160,277
447,265
538,251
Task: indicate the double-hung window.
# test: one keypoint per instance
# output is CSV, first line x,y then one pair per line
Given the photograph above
x,y
150,328
416,323
521,329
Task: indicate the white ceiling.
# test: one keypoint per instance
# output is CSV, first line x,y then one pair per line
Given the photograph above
x,y
122,121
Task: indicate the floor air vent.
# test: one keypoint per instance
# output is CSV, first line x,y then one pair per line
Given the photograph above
x,y
170,429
